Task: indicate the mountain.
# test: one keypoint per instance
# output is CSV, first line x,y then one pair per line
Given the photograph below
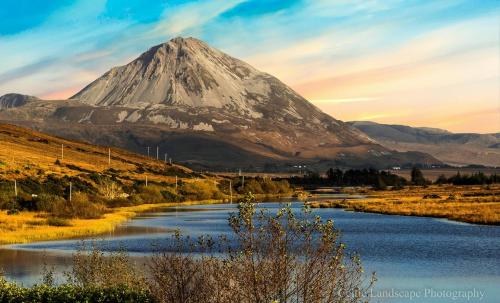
x,y
451,148
208,110
15,100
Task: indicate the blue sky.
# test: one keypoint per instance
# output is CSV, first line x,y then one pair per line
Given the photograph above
x,y
422,63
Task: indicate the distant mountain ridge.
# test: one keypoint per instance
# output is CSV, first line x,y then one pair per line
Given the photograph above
x,y
451,148
15,100
208,110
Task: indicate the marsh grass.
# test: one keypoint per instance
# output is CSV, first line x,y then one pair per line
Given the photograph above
x,y
471,204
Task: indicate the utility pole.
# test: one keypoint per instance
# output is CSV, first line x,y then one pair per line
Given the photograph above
x,y
242,181
70,191
166,158
148,151
146,181
15,187
62,152
231,191
176,182
157,153
109,156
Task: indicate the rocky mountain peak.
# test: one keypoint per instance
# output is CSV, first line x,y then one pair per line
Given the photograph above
x,y
182,71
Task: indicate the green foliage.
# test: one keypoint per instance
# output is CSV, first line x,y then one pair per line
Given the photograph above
x,y
263,186
417,178
93,268
478,178
80,206
171,196
149,194
379,179
10,292
200,190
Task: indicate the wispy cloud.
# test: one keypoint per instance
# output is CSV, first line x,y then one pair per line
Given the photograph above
x,y
389,60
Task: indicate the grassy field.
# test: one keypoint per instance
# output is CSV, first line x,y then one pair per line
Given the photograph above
x,y
26,227
27,153
471,204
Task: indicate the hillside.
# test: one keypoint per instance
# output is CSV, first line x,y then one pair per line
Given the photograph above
x,y
207,110
30,154
451,148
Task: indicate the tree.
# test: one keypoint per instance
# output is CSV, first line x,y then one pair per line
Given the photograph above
x,y
417,178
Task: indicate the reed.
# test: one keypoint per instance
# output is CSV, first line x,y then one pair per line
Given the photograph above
x,y
471,204
25,227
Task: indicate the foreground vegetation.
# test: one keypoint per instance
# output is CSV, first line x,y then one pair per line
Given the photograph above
x,y
282,257
471,204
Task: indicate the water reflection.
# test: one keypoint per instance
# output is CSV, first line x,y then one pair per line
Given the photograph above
x,y
406,252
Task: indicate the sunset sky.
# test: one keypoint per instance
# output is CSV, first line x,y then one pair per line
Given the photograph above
x,y
419,63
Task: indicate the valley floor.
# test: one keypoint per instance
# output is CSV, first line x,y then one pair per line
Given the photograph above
x,y
471,204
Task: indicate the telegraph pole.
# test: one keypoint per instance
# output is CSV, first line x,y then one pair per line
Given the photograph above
x,y
231,191
146,181
166,158
157,153
176,182
109,156
62,152
70,191
148,151
15,187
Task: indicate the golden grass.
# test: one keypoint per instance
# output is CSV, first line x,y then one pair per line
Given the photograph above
x,y
471,204
27,153
26,227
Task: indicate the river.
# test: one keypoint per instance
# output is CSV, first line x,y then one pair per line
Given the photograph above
x,y
427,259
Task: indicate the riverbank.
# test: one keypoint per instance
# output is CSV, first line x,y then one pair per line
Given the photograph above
x,y
27,226
470,204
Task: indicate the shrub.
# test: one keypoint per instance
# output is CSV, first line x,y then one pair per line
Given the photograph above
x,y
53,221
79,207
48,202
149,194
276,258
10,292
93,268
170,196
200,190
121,202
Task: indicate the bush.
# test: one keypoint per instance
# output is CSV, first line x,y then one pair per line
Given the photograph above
x,y
149,194
93,268
48,202
10,292
276,258
121,202
264,186
170,196
200,190
53,221
79,207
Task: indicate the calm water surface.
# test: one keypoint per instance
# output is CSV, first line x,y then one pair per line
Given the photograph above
x,y
431,260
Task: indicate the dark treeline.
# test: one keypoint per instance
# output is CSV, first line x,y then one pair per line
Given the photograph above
x,y
351,177
478,178
381,179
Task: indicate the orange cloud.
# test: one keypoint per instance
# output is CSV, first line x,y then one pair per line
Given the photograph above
x,y
61,94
